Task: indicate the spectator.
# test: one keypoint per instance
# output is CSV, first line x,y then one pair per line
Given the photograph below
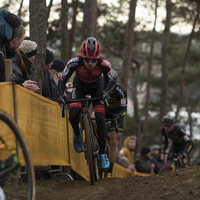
x,y
143,161
22,65
124,162
128,149
49,89
156,158
56,70
8,50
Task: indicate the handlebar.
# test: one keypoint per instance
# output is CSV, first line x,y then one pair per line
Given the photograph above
x,y
85,99
82,100
177,155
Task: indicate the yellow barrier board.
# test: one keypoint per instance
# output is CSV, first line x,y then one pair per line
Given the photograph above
x,y
45,131
121,172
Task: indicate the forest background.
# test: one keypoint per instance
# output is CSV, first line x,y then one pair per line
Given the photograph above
x,y
154,45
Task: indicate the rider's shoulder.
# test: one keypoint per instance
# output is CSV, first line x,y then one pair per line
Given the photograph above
x,y
103,61
120,86
178,127
121,90
75,60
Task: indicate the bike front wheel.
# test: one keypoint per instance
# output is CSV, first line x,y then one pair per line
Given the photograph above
x,y
167,168
8,134
89,152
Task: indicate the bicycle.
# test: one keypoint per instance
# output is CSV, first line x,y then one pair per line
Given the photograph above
x,y
12,153
176,164
90,141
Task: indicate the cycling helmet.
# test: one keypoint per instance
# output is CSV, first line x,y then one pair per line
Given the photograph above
x,y
91,48
114,75
167,119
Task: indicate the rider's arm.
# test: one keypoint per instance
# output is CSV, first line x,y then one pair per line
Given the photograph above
x,y
188,144
66,74
123,101
109,78
165,139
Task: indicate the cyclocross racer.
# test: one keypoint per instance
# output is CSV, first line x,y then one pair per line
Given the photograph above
x,y
89,66
180,140
116,110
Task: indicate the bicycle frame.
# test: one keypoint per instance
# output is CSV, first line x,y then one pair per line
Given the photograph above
x,y
176,163
90,144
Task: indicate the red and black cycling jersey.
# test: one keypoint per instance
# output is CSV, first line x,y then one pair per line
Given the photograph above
x,y
176,135
76,64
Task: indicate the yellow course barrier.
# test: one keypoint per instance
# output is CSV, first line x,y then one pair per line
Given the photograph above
x,y
43,127
48,135
121,172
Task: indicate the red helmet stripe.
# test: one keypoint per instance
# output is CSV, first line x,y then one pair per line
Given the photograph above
x,y
86,50
99,49
82,48
95,51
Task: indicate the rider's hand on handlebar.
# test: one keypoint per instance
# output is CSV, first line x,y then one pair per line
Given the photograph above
x,y
105,95
116,117
184,155
62,99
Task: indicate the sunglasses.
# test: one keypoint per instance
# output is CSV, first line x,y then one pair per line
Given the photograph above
x,y
88,60
167,125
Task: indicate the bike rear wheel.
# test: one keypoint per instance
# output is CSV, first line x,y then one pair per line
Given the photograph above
x,y
13,132
91,161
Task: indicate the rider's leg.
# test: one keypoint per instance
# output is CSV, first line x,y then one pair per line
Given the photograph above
x,y
114,142
113,149
74,118
101,129
101,132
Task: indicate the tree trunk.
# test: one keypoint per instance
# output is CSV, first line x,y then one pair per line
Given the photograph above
x,y
185,62
20,8
165,51
128,45
89,19
49,9
149,79
137,122
73,29
190,121
38,26
64,31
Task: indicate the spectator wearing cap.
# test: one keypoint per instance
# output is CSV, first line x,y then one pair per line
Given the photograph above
x,y
56,70
22,65
143,161
49,89
156,158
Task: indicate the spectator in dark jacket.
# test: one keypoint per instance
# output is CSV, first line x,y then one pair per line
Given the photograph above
x,y
49,89
156,158
53,71
143,161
